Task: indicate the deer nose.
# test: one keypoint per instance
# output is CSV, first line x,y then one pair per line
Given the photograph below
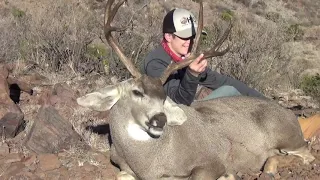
x,y
158,120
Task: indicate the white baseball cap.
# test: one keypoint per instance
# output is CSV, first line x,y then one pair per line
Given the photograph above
x,y
180,22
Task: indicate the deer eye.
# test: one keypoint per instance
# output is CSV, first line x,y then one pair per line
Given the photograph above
x,y
137,93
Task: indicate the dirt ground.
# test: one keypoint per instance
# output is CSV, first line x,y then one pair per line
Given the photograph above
x,y
92,165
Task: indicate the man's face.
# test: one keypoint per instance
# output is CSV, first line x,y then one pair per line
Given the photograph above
x,y
180,46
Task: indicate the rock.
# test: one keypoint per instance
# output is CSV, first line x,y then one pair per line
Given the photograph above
x,y
30,160
40,174
63,98
12,158
265,176
4,149
88,167
102,158
50,132
48,162
12,170
24,175
11,116
109,171
64,173
11,124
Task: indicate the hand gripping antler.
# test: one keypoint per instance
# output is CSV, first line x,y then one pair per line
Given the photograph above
x,y
213,52
108,29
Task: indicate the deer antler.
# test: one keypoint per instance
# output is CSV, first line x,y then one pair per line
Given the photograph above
x,y
108,29
213,52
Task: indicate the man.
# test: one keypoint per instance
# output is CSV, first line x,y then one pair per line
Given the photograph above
x,y
179,29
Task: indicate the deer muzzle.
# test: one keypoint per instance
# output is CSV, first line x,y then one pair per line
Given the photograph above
x,y
156,125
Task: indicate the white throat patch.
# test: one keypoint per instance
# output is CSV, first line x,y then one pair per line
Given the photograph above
x,y
137,133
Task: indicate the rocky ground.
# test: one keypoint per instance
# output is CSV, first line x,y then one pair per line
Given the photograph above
x,y
46,135
43,132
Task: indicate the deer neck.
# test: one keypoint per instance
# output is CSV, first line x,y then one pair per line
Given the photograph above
x,y
136,133
123,124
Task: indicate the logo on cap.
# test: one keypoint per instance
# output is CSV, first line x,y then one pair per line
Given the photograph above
x,y
187,20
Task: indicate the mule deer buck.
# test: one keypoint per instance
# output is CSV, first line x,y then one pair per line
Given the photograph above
x,y
154,138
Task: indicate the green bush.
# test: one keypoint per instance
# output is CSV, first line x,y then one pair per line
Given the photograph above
x,y
17,13
295,32
96,51
227,15
311,86
99,53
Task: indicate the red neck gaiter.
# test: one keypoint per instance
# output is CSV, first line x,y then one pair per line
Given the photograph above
x,y
175,57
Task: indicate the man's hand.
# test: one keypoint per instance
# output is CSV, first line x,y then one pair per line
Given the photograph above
x,y
198,66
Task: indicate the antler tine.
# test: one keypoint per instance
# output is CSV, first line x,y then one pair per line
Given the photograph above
x,y
199,29
213,52
108,29
173,66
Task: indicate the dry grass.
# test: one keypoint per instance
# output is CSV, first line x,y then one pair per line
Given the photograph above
x,y
306,10
55,37
255,57
81,120
65,37
77,156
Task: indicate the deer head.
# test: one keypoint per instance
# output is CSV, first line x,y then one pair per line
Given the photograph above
x,y
144,96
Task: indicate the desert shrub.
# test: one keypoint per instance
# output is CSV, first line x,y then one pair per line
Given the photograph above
x,y
18,13
294,32
55,37
144,22
206,41
247,3
96,51
307,11
67,36
272,16
227,15
13,31
259,5
63,41
310,84
255,55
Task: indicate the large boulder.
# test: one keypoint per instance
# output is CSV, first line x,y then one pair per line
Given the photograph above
x,y
51,133
11,116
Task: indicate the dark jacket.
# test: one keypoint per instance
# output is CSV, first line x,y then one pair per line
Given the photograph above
x,y
181,86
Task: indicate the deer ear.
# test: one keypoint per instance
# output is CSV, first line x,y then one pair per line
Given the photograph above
x,y
101,100
175,115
